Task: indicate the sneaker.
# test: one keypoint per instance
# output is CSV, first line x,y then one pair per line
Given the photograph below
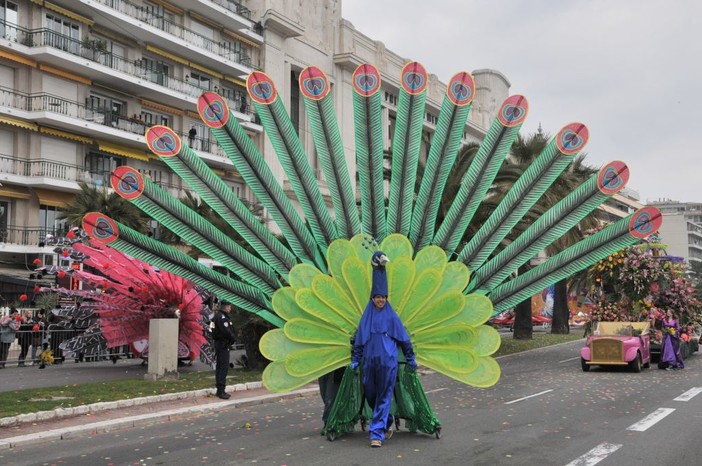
x,y
376,444
388,434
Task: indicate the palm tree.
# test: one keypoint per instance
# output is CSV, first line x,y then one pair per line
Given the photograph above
x,y
93,199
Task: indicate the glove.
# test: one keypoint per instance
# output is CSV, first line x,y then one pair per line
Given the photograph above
x,y
412,366
354,366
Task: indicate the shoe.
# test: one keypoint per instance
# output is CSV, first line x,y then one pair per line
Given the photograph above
x,y
223,395
388,434
376,444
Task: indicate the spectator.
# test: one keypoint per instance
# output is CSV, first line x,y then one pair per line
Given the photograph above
x,y
9,325
24,336
37,335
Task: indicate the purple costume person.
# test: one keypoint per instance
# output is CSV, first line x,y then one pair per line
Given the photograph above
x,y
670,349
380,334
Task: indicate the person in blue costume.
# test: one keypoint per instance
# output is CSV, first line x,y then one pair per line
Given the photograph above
x,y
380,333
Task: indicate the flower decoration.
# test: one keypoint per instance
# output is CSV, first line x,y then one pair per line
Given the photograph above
x,y
37,262
322,313
23,297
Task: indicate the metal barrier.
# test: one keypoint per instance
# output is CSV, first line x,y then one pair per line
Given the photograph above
x,y
27,346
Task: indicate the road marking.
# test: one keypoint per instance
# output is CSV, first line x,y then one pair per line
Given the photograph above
x,y
597,454
688,395
571,359
527,397
651,419
437,390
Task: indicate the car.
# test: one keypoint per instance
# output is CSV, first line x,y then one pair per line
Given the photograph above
x,y
618,344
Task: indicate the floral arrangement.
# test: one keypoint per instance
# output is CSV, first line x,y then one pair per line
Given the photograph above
x,y
609,312
46,358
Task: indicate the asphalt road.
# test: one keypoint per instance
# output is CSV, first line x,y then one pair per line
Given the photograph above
x,y
544,411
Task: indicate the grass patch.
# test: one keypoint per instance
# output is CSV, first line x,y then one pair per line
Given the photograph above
x,y
510,345
68,396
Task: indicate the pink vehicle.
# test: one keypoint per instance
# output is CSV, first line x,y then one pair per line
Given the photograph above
x,y
618,344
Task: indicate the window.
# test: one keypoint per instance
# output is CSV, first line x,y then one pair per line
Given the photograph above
x,y
152,118
155,71
391,98
105,110
200,80
99,167
4,210
236,96
62,33
295,101
48,222
8,20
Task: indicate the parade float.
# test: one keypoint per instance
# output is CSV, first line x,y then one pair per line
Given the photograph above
x,y
312,287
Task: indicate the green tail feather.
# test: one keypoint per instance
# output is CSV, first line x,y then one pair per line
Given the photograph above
x,y
286,144
553,224
330,150
475,185
369,163
218,195
405,156
525,192
259,178
172,260
615,237
194,229
442,155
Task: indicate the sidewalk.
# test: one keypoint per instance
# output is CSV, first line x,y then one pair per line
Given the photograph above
x,y
62,423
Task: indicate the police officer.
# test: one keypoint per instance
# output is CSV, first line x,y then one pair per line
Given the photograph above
x,y
223,336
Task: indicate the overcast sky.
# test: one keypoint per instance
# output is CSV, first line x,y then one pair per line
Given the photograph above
x,y
629,69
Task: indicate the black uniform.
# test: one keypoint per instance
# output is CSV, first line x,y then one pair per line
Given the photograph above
x,y
223,336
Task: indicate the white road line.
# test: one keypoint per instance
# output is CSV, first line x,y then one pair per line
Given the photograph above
x,y
571,359
437,390
651,419
597,454
688,395
526,397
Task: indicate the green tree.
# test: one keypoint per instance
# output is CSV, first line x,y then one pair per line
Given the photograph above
x,y
93,199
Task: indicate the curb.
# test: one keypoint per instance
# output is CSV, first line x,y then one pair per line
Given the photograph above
x,y
133,421
58,413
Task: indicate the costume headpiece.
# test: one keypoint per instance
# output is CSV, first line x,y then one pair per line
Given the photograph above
x,y
380,278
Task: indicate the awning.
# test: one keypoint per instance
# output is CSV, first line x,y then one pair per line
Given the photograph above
x,y
163,53
68,13
124,151
54,198
65,135
21,123
17,58
15,192
238,82
240,38
161,107
65,74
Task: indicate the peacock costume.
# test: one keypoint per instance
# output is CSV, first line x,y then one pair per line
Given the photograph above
x,y
315,289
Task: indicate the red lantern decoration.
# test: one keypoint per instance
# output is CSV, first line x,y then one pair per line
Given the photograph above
x,y
36,289
65,252
60,274
70,235
23,297
37,262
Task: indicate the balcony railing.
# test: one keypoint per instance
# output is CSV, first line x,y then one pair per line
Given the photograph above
x,y
94,50
234,7
27,236
146,15
40,168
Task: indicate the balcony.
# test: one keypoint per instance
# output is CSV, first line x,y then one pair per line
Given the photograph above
x,y
40,173
27,236
139,21
229,13
135,78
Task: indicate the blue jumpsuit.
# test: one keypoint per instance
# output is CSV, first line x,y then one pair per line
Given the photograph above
x,y
380,333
